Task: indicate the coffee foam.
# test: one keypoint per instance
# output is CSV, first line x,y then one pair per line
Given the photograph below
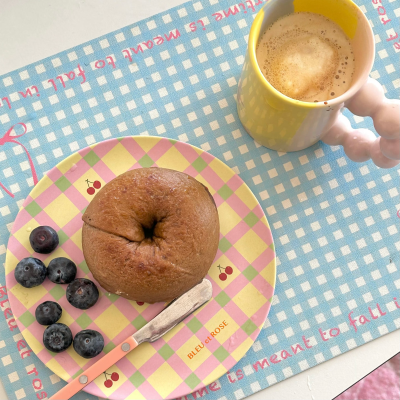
x,y
307,57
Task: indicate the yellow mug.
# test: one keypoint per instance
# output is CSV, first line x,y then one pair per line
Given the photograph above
x,y
284,124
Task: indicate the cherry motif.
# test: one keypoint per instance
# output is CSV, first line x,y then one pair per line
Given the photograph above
x,y
139,303
223,277
109,382
115,376
91,190
96,184
224,272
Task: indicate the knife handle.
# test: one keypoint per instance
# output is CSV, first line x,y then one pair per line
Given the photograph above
x,y
95,370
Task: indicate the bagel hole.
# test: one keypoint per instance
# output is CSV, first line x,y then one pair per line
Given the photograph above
x,y
149,232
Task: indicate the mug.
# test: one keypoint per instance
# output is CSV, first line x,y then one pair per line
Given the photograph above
x,y
284,124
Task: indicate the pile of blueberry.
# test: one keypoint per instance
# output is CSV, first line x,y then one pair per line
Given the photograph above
x,y
81,293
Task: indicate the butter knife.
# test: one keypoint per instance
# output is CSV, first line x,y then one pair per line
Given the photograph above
x,y
167,319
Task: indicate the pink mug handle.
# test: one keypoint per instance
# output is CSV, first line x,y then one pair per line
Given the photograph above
x,y
362,144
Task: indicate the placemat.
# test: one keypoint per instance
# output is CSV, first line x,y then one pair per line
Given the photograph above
x,y
335,223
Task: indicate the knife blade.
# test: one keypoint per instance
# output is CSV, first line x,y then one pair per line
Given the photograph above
x,y
168,318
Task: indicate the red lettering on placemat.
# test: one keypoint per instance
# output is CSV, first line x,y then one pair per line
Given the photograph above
x,y
23,349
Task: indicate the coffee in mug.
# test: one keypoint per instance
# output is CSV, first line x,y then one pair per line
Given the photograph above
x,y
307,57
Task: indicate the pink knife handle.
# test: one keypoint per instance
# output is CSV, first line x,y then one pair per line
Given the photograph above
x,y
95,370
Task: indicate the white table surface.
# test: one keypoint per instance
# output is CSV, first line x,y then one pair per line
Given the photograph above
x,y
33,30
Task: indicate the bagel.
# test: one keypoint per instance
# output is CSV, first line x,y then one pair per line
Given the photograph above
x,y
150,234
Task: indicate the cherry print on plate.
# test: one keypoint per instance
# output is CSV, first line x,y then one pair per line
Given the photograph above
x,y
224,272
91,190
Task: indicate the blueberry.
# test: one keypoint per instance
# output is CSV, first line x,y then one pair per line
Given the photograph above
x,y
43,239
30,272
61,270
88,343
57,337
48,313
82,293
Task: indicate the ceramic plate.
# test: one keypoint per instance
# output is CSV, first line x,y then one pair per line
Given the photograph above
x,y
203,347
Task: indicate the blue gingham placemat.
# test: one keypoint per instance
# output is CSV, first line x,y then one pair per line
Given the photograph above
x,y
335,222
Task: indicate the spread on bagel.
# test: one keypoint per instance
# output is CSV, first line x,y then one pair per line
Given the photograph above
x,y
150,234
